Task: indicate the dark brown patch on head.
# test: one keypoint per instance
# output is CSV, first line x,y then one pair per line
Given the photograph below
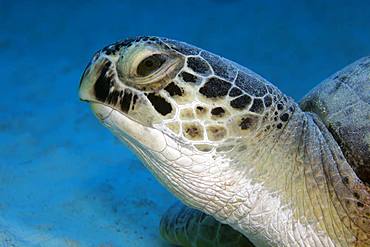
x,y
200,108
187,77
284,117
103,83
201,111
257,106
216,132
159,104
173,89
356,195
134,101
279,125
218,111
235,92
199,65
113,97
248,122
215,87
193,131
241,102
126,100
267,100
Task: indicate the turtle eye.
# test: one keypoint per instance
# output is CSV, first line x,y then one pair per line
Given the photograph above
x,y
150,64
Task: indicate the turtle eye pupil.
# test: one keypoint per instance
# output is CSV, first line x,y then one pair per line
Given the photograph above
x,y
150,64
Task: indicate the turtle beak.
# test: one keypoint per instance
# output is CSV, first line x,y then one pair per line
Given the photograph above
x,y
88,79
83,92
94,85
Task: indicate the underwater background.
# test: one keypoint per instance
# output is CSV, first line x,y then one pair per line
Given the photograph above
x,y
64,179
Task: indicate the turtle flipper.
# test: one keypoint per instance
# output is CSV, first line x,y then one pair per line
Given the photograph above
x,y
185,226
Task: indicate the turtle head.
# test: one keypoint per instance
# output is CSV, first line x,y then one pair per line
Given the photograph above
x,y
152,84
218,136
180,108
175,88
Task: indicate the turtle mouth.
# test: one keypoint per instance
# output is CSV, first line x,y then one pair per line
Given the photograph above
x,y
129,130
101,111
104,111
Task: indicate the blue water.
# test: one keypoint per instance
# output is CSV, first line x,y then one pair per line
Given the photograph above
x,y
64,179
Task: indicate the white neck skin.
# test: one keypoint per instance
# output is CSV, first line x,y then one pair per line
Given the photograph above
x,y
265,192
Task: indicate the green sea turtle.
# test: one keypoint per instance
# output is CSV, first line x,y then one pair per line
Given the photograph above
x,y
228,143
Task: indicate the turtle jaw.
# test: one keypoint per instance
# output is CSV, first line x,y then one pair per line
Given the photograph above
x,y
102,112
129,131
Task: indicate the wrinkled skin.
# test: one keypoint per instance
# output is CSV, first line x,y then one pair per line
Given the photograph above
x,y
185,226
228,143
